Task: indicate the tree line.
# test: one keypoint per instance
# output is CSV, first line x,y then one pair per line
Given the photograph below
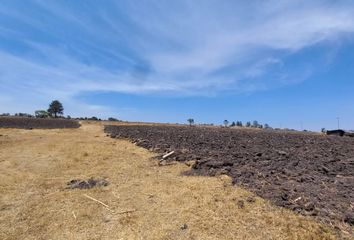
x,y
254,124
55,110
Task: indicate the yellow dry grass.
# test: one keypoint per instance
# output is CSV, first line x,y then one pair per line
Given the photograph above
x,y
34,204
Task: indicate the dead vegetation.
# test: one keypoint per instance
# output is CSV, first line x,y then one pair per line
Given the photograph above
x,y
142,201
311,174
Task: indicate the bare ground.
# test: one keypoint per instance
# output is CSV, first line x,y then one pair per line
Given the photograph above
x,y
309,173
145,201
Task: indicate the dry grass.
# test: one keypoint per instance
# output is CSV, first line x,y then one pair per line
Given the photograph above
x,y
34,204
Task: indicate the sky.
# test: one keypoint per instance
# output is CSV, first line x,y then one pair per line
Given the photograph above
x,y
289,64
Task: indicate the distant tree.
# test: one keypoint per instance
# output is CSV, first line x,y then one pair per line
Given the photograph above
x,y
93,118
55,108
23,115
239,123
112,119
233,124
255,124
266,126
323,130
226,123
248,124
68,117
190,121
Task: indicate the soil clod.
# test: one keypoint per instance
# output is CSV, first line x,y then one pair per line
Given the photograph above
x,y
86,184
349,218
240,204
184,226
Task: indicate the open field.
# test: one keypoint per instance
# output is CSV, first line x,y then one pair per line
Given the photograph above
x,y
311,174
143,200
33,123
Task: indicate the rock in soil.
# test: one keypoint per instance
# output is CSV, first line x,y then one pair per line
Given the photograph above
x,y
184,226
349,218
240,204
86,184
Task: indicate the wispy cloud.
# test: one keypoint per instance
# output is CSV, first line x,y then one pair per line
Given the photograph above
x,y
58,49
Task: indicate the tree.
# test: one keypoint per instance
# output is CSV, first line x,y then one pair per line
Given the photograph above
x,y
248,124
323,130
233,124
112,119
191,121
55,108
266,126
226,123
239,123
255,124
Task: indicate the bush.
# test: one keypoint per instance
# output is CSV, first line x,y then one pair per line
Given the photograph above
x,y
112,119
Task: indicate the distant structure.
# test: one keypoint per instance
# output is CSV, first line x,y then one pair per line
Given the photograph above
x,y
340,132
335,132
41,114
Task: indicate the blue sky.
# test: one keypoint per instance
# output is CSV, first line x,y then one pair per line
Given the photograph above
x,y
285,63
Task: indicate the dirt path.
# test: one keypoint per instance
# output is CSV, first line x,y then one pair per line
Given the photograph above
x,y
35,166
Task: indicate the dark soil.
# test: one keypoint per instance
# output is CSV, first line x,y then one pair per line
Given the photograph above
x,y
83,184
311,174
37,123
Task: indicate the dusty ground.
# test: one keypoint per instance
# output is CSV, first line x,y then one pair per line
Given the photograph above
x,y
35,166
312,174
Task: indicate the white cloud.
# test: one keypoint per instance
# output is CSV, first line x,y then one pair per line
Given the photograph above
x,y
185,47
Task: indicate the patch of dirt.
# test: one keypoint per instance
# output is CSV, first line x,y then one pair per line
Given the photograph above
x,y
86,184
37,123
311,174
